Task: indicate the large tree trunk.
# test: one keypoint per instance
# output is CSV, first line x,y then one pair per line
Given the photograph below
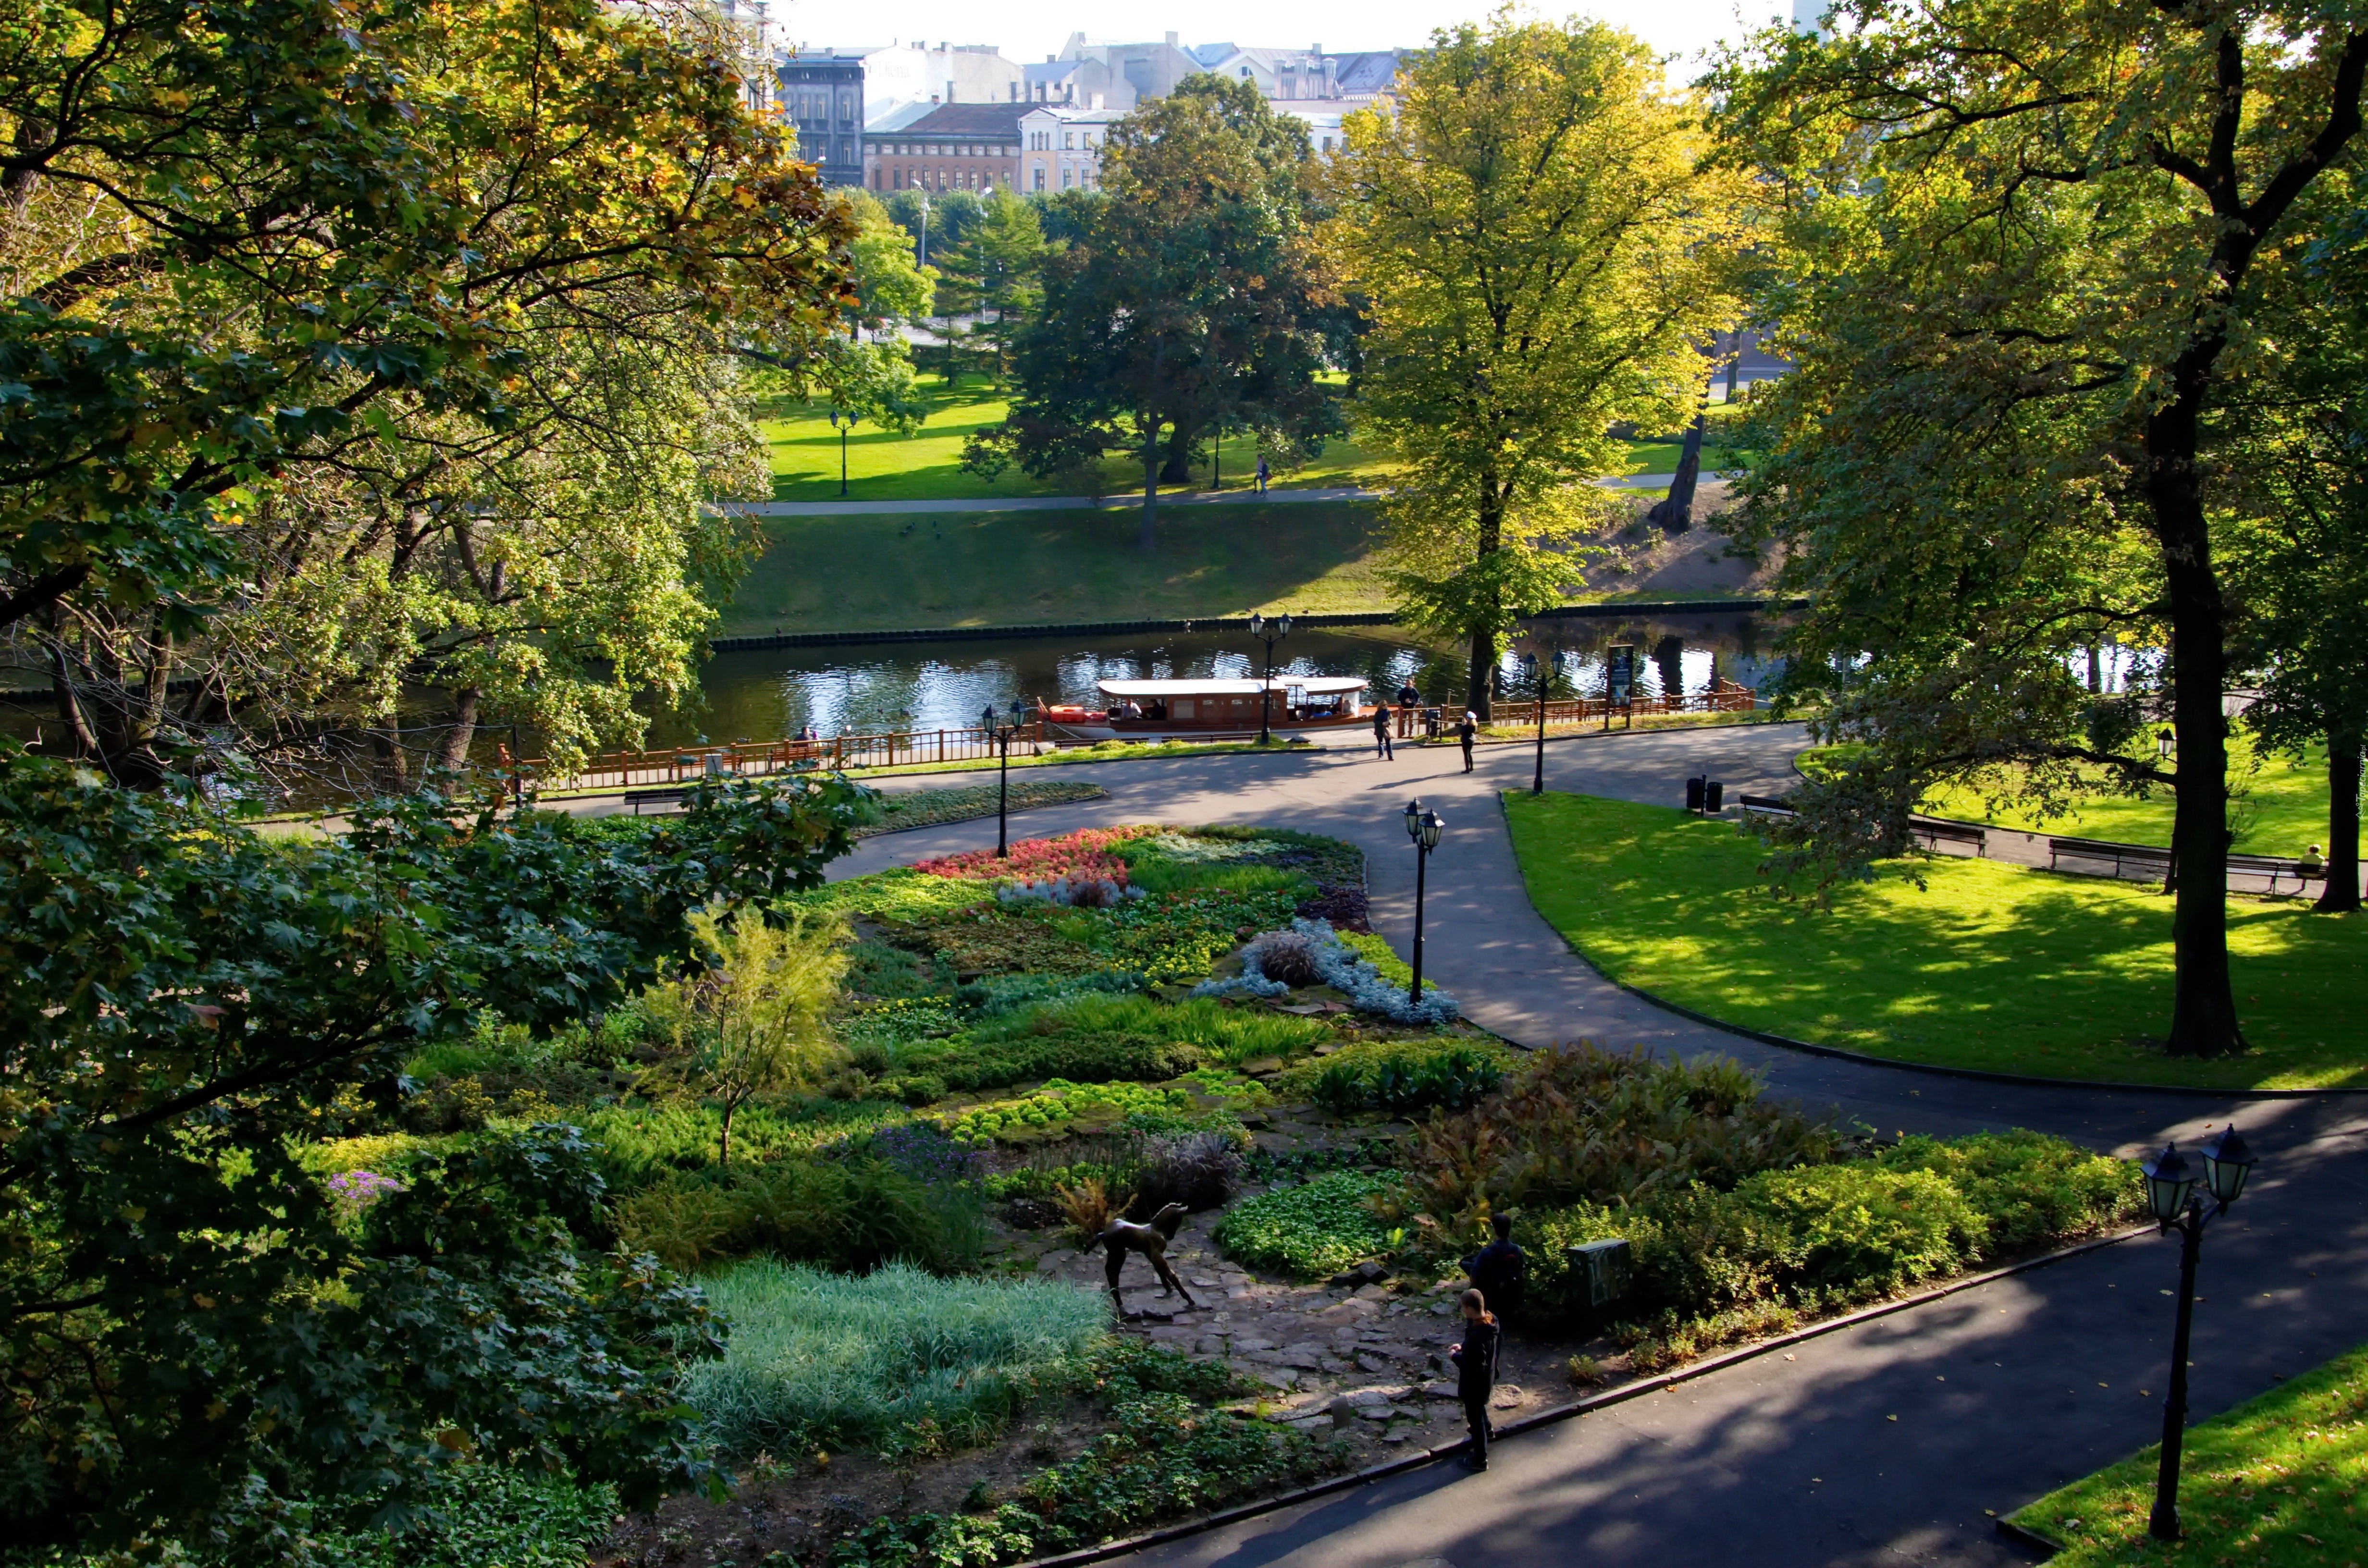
x,y
2203,1005
453,755
1178,469
2342,892
1149,535
1675,514
1480,688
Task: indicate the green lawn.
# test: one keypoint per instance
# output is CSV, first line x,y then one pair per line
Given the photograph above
x,y
2282,809
1993,966
877,572
927,465
2274,1482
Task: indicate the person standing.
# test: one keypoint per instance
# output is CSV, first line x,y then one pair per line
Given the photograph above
x,y
1467,732
1262,473
1475,1372
1381,730
1499,1271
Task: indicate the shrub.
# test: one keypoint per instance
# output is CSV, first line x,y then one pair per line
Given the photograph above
x,y
901,894
1359,1064
1309,1231
1580,1122
853,1214
1856,1229
1408,1081
1079,1055
1285,957
1089,853
1199,1170
1348,972
816,1357
1060,1108
1090,1206
2029,1189
640,1144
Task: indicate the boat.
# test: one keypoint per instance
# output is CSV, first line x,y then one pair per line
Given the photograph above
x,y
1209,707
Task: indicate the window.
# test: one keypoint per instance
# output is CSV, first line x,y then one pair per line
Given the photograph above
x,y
1068,176
1040,176
1069,140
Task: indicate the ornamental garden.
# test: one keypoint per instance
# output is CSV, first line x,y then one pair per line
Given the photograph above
x,y
882,1123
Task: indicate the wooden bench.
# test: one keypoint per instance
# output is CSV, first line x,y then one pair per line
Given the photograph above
x,y
639,797
1769,803
1935,832
2144,858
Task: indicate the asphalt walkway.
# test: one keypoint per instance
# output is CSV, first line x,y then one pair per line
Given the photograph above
x,y
1275,497
1999,1394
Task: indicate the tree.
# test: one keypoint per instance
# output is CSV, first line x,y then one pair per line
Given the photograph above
x,y
757,1015
261,261
2028,253
190,1344
1194,300
1541,254
999,261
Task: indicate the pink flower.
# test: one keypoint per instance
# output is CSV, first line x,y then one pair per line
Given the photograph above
x,y
1087,853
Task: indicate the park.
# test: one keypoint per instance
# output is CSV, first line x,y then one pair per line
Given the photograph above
x,y
1364,856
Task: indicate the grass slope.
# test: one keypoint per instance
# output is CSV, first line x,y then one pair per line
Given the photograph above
x,y
2282,809
861,573
2274,1482
1993,967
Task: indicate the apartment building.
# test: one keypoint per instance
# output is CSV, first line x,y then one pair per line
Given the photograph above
x,y
1361,79
952,147
1061,148
822,95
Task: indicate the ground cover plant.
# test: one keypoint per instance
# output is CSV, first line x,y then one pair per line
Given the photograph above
x,y
1311,1230
2276,1481
826,1358
1988,966
902,809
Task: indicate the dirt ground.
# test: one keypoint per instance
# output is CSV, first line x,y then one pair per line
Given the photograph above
x,y
1693,563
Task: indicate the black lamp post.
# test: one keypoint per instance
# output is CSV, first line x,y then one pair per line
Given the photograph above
x,y
1268,630
836,416
1539,671
1423,827
2170,1192
1002,733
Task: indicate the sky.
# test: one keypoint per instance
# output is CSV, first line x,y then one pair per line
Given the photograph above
x,y
1684,28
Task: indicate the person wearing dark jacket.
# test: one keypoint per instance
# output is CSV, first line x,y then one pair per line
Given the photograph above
x,y
1500,1270
1382,730
1475,1372
1467,732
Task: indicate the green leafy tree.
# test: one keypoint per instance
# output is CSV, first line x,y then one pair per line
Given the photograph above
x,y
2028,256
285,294
192,1343
1541,253
999,260
1193,300
757,1018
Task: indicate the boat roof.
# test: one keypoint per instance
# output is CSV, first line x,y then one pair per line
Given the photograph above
x,y
1212,687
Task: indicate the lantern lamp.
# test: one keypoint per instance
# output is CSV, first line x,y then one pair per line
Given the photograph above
x,y
2226,1163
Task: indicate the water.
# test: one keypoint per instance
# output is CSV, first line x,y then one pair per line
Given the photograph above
x,y
928,686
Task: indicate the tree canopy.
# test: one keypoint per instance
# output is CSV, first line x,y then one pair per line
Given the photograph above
x,y
1544,254
2025,289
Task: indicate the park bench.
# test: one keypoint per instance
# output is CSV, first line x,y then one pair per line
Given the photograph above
x,y
2274,866
637,799
1769,803
1934,833
2144,860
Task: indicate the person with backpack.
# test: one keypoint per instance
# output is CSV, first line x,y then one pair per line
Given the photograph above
x,y
1475,1372
1500,1270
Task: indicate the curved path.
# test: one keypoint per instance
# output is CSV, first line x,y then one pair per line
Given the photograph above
x,y
1999,1394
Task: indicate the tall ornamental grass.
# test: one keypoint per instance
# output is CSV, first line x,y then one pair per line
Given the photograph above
x,y
818,1359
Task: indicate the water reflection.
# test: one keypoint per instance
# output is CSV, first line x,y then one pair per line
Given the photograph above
x,y
758,694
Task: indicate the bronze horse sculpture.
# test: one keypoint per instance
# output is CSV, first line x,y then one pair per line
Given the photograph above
x,y
1123,1237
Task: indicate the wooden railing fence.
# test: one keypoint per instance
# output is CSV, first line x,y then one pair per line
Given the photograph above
x,y
745,759
1726,698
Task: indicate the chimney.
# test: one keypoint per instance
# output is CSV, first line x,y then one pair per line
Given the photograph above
x,y
1172,40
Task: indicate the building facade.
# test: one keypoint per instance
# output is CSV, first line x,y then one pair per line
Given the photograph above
x,y
822,95
909,73
1362,79
952,147
1061,148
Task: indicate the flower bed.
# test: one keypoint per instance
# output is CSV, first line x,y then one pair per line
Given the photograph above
x,y
1087,854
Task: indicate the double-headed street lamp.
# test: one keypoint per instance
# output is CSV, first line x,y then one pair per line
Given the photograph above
x,y
2170,1192
999,732
1422,826
1268,630
836,416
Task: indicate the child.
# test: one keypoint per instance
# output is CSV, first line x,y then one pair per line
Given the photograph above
x,y
1475,1363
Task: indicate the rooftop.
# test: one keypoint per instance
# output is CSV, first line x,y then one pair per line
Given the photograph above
x,y
969,119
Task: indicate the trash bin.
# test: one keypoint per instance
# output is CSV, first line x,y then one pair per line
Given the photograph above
x,y
1694,793
1431,723
1713,797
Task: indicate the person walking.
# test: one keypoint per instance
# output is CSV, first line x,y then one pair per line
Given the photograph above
x,y
1262,471
1499,1271
1381,732
1466,733
1475,1372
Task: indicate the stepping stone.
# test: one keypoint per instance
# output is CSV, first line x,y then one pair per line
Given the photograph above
x,y
1505,1396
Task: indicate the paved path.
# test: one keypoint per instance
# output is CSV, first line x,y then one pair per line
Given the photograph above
x,y
2001,1392
1094,503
